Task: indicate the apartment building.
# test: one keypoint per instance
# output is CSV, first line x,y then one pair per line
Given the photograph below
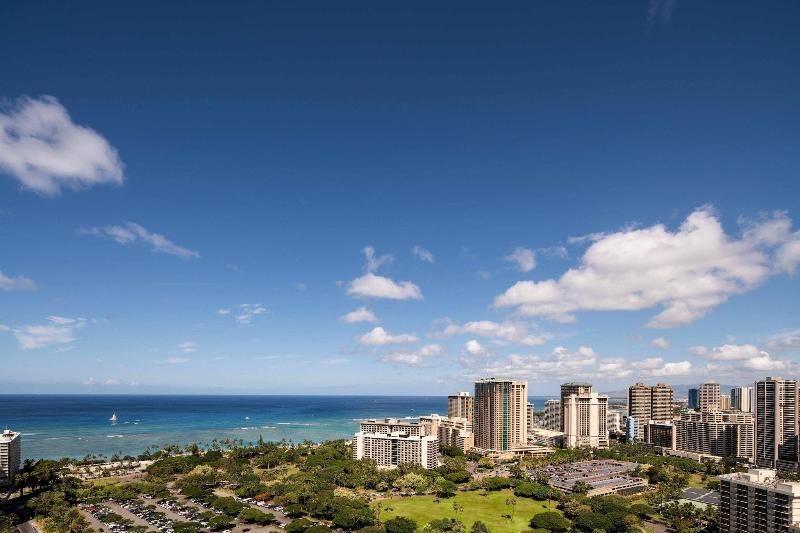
x,y
742,399
392,450
722,434
661,434
529,416
450,431
708,396
392,425
500,421
460,405
614,422
568,389
693,399
646,403
586,421
776,423
758,502
552,415
10,456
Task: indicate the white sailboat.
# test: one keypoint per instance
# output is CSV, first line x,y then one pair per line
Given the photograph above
x,y
113,417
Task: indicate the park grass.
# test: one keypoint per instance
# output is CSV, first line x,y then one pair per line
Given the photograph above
x,y
488,507
696,481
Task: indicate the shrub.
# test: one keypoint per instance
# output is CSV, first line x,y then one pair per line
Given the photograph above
x,y
551,521
400,524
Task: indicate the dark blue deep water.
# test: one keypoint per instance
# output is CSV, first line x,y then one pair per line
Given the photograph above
x,y
54,426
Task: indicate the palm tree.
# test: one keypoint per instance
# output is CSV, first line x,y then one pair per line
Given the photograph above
x,y
513,503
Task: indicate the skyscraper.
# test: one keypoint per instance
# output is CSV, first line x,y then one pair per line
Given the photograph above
x,y
552,415
694,401
776,423
708,396
650,403
742,399
10,456
460,405
568,389
586,421
500,419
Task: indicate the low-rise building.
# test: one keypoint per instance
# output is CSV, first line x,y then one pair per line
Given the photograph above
x,y
604,477
758,502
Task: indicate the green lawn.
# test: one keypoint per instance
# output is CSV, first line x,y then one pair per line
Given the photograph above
x,y
489,509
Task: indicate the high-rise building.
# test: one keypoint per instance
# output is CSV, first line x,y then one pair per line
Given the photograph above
x,y
568,389
661,434
614,421
647,403
586,421
776,420
694,399
392,450
529,411
724,402
708,396
552,415
742,399
724,434
10,456
460,405
758,502
450,431
392,425
500,422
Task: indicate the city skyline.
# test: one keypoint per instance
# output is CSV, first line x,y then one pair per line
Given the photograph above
x,y
402,213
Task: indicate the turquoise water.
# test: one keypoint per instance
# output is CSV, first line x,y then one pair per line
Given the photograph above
x,y
54,426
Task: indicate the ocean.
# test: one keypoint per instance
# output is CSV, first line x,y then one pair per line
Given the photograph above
x,y
55,426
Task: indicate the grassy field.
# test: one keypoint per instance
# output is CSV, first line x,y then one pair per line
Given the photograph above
x,y
488,508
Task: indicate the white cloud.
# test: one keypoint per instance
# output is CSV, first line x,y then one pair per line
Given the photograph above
x,y
188,347
362,314
515,332
247,312
524,259
380,337
173,360
785,342
224,311
373,286
473,347
58,331
16,283
111,381
422,254
131,233
370,285
413,358
43,149
660,343
373,262
687,272
746,355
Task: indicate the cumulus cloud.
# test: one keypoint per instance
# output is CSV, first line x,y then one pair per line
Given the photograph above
x,y
746,355
58,331
524,259
380,337
130,233
362,314
515,332
371,285
16,283
422,254
473,347
660,343
45,151
686,272
413,357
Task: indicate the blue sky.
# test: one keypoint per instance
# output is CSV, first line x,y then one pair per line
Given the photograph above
x,y
189,195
